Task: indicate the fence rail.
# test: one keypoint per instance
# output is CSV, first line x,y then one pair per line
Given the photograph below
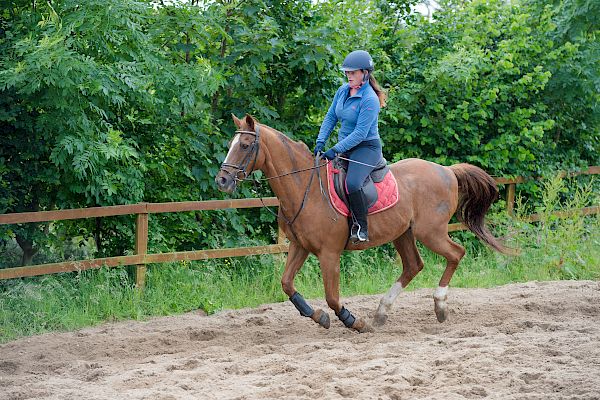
x,y
142,210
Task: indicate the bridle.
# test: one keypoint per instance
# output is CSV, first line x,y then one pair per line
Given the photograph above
x,y
251,151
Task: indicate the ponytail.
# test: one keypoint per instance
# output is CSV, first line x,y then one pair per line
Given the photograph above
x,y
378,90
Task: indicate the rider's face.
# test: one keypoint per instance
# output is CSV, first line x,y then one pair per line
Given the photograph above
x,y
355,77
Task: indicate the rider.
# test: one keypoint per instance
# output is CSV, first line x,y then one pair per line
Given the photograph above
x,y
356,104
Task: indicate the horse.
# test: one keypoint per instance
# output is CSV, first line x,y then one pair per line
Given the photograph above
x,y
430,194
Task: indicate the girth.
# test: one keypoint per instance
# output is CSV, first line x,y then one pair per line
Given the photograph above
x,y
368,187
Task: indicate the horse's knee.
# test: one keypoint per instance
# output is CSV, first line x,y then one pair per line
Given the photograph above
x,y
288,286
333,303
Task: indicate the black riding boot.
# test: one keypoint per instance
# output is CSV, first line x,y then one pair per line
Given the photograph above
x,y
359,208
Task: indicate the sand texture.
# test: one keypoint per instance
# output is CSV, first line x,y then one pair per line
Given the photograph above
x,y
521,341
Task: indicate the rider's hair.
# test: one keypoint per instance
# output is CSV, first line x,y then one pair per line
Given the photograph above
x,y
378,90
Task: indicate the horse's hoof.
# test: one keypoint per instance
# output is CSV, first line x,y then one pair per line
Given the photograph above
x,y
441,313
321,318
379,319
362,326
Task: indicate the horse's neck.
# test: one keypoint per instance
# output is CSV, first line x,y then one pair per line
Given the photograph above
x,y
284,157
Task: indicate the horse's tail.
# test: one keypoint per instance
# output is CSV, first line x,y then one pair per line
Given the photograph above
x,y
476,193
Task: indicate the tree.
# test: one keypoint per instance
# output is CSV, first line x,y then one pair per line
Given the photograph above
x,y
572,95
471,86
118,102
86,95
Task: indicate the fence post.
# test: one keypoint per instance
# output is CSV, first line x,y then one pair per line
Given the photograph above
x,y
280,240
281,236
141,247
510,198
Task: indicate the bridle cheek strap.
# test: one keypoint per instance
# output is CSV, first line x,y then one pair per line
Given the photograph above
x,y
252,151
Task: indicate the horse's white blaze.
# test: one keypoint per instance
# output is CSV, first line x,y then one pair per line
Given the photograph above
x,y
388,299
235,140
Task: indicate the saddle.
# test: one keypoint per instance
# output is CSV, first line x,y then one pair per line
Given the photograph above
x,y
380,187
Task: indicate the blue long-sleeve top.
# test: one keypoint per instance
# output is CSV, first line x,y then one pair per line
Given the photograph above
x,y
358,115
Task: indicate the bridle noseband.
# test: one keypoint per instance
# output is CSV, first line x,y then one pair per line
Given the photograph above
x,y
252,150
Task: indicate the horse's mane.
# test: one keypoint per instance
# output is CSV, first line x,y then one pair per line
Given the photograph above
x,y
297,144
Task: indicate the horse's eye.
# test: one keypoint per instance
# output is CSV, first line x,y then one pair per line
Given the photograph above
x,y
244,145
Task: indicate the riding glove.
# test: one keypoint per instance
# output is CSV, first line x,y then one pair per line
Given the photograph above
x,y
329,154
319,147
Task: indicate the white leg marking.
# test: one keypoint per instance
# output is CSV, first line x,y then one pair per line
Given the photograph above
x,y
441,308
235,140
441,294
388,299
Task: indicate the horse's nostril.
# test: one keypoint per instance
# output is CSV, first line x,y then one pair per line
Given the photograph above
x,y
221,181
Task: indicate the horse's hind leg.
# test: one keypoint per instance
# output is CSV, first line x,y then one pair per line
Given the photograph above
x,y
439,242
296,257
412,264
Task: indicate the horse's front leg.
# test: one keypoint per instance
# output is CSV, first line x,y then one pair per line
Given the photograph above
x,y
330,270
296,257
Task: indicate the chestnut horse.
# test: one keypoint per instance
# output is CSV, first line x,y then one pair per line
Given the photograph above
x,y
429,195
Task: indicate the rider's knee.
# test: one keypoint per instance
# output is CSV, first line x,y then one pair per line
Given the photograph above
x,y
353,185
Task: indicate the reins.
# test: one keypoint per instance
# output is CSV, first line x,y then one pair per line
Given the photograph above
x,y
241,170
302,204
253,151
293,172
315,171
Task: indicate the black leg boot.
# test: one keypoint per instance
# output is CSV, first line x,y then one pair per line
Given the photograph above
x,y
359,208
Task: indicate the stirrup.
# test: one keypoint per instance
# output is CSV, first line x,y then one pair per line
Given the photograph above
x,y
357,234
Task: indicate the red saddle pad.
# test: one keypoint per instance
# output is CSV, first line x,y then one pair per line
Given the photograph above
x,y
387,193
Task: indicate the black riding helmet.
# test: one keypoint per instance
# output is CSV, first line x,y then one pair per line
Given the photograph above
x,y
358,59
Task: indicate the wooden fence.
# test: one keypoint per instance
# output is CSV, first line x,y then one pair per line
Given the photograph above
x,y
141,257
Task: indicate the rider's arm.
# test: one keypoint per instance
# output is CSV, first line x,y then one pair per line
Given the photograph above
x,y
369,109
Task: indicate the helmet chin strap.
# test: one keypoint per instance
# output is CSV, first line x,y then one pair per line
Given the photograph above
x,y
365,79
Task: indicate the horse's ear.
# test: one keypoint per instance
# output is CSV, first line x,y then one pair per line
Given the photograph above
x,y
236,121
250,122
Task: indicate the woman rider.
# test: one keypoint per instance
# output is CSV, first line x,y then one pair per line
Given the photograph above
x,y
356,104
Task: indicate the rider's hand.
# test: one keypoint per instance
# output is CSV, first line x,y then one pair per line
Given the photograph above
x,y
329,154
319,147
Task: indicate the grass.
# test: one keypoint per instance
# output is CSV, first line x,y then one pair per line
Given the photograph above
x,y
549,250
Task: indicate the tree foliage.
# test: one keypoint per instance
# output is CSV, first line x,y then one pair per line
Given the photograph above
x,y
479,84
116,102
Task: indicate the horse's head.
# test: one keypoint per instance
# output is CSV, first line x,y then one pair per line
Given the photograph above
x,y
243,156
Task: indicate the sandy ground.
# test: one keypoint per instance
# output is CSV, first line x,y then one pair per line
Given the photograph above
x,y
521,341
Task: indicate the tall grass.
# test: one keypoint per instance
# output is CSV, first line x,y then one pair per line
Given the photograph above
x,y
551,249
